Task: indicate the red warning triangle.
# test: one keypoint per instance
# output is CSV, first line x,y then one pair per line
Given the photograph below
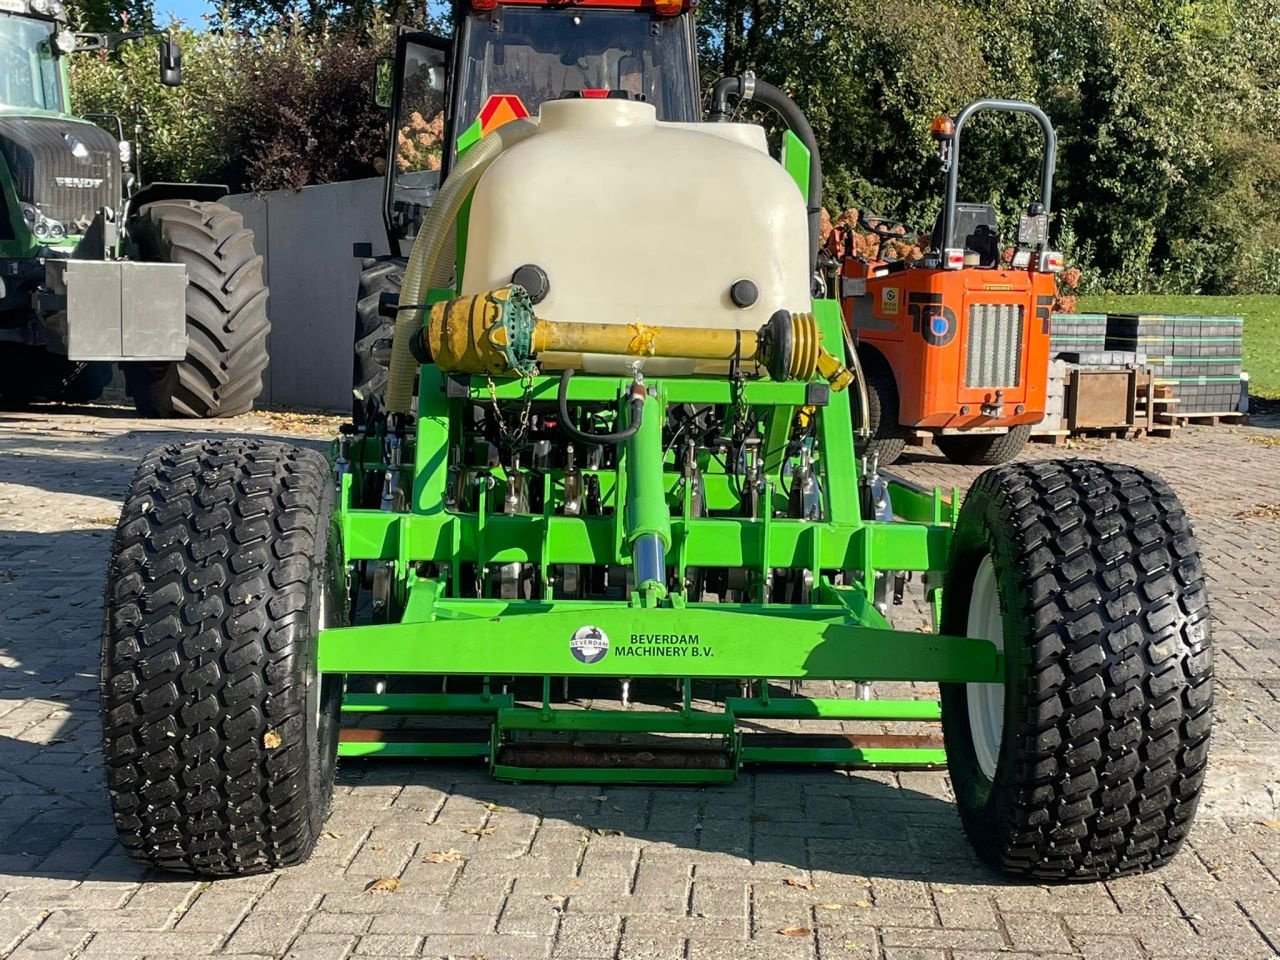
x,y
501,108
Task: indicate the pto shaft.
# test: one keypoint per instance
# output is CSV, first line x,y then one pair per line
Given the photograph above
x,y
496,333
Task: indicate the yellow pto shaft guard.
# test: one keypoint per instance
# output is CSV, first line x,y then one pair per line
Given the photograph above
x,y
497,333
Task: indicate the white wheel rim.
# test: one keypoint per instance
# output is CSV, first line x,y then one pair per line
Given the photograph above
x,y
986,700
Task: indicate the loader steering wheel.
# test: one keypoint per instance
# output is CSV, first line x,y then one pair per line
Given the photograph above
x,y
884,228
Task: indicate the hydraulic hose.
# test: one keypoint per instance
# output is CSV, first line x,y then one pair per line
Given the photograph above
x,y
434,255
864,401
750,87
605,439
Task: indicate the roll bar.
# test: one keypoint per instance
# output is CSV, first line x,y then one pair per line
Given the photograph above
x,y
1047,167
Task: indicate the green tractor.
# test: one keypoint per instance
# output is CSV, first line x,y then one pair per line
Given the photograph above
x,y
94,271
606,524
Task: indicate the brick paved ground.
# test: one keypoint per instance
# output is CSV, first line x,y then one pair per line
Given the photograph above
x,y
879,864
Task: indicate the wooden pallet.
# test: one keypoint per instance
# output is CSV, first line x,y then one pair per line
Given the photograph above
x,y
1053,438
1177,419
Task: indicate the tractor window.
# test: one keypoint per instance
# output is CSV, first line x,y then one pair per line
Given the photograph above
x,y
28,68
541,54
419,138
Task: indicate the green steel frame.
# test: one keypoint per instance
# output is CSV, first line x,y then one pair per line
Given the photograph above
x,y
838,635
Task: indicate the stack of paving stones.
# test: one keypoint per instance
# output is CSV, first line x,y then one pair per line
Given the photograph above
x,y
1077,341
1055,399
1077,333
1199,357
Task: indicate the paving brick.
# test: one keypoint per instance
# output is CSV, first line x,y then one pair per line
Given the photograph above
x,y
587,937
320,946
489,946
266,932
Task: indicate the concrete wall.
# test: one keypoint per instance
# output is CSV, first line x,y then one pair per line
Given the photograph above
x,y
306,238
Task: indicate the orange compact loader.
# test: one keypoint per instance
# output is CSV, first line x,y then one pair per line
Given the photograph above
x,y
956,342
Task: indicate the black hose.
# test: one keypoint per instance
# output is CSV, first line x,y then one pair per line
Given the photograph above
x,y
751,87
607,439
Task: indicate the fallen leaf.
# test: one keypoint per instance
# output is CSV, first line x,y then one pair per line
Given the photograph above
x,y
797,882
554,898
331,835
602,798
946,889
759,818
383,885
480,831
796,932
271,740
492,807
865,904
377,848
442,856
830,906
1271,824
607,832
851,945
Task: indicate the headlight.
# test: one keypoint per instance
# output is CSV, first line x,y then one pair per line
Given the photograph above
x,y
30,213
56,230
41,229
57,10
66,41
42,7
126,151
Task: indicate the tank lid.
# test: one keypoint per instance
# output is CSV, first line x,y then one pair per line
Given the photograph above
x,y
593,114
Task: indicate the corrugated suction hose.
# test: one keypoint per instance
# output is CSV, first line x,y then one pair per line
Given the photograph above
x,y
434,254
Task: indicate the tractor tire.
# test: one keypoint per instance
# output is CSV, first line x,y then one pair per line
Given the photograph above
x,y
984,449
888,439
34,375
219,734
227,322
1087,762
378,275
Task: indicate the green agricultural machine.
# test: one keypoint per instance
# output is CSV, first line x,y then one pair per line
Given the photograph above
x,y
604,523
95,271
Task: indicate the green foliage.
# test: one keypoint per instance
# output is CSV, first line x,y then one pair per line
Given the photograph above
x,y
1167,111
277,111
105,15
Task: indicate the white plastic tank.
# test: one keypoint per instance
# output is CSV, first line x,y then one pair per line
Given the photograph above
x,y
637,221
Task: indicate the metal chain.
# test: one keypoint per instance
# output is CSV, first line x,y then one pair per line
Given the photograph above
x,y
513,438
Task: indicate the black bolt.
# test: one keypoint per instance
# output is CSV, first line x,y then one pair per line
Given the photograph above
x,y
744,293
534,279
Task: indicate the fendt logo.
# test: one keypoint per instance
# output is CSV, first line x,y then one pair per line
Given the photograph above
x,y
82,183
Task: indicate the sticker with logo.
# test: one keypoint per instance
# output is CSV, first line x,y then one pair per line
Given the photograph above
x,y
890,298
589,644
932,319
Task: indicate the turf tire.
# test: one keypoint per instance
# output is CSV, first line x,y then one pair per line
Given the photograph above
x,y
227,323
378,275
219,736
888,439
1108,691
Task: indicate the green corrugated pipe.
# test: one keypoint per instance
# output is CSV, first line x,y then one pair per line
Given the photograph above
x,y
434,254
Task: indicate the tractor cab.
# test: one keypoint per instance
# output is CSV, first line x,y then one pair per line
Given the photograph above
x,y
30,74
504,62
954,339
